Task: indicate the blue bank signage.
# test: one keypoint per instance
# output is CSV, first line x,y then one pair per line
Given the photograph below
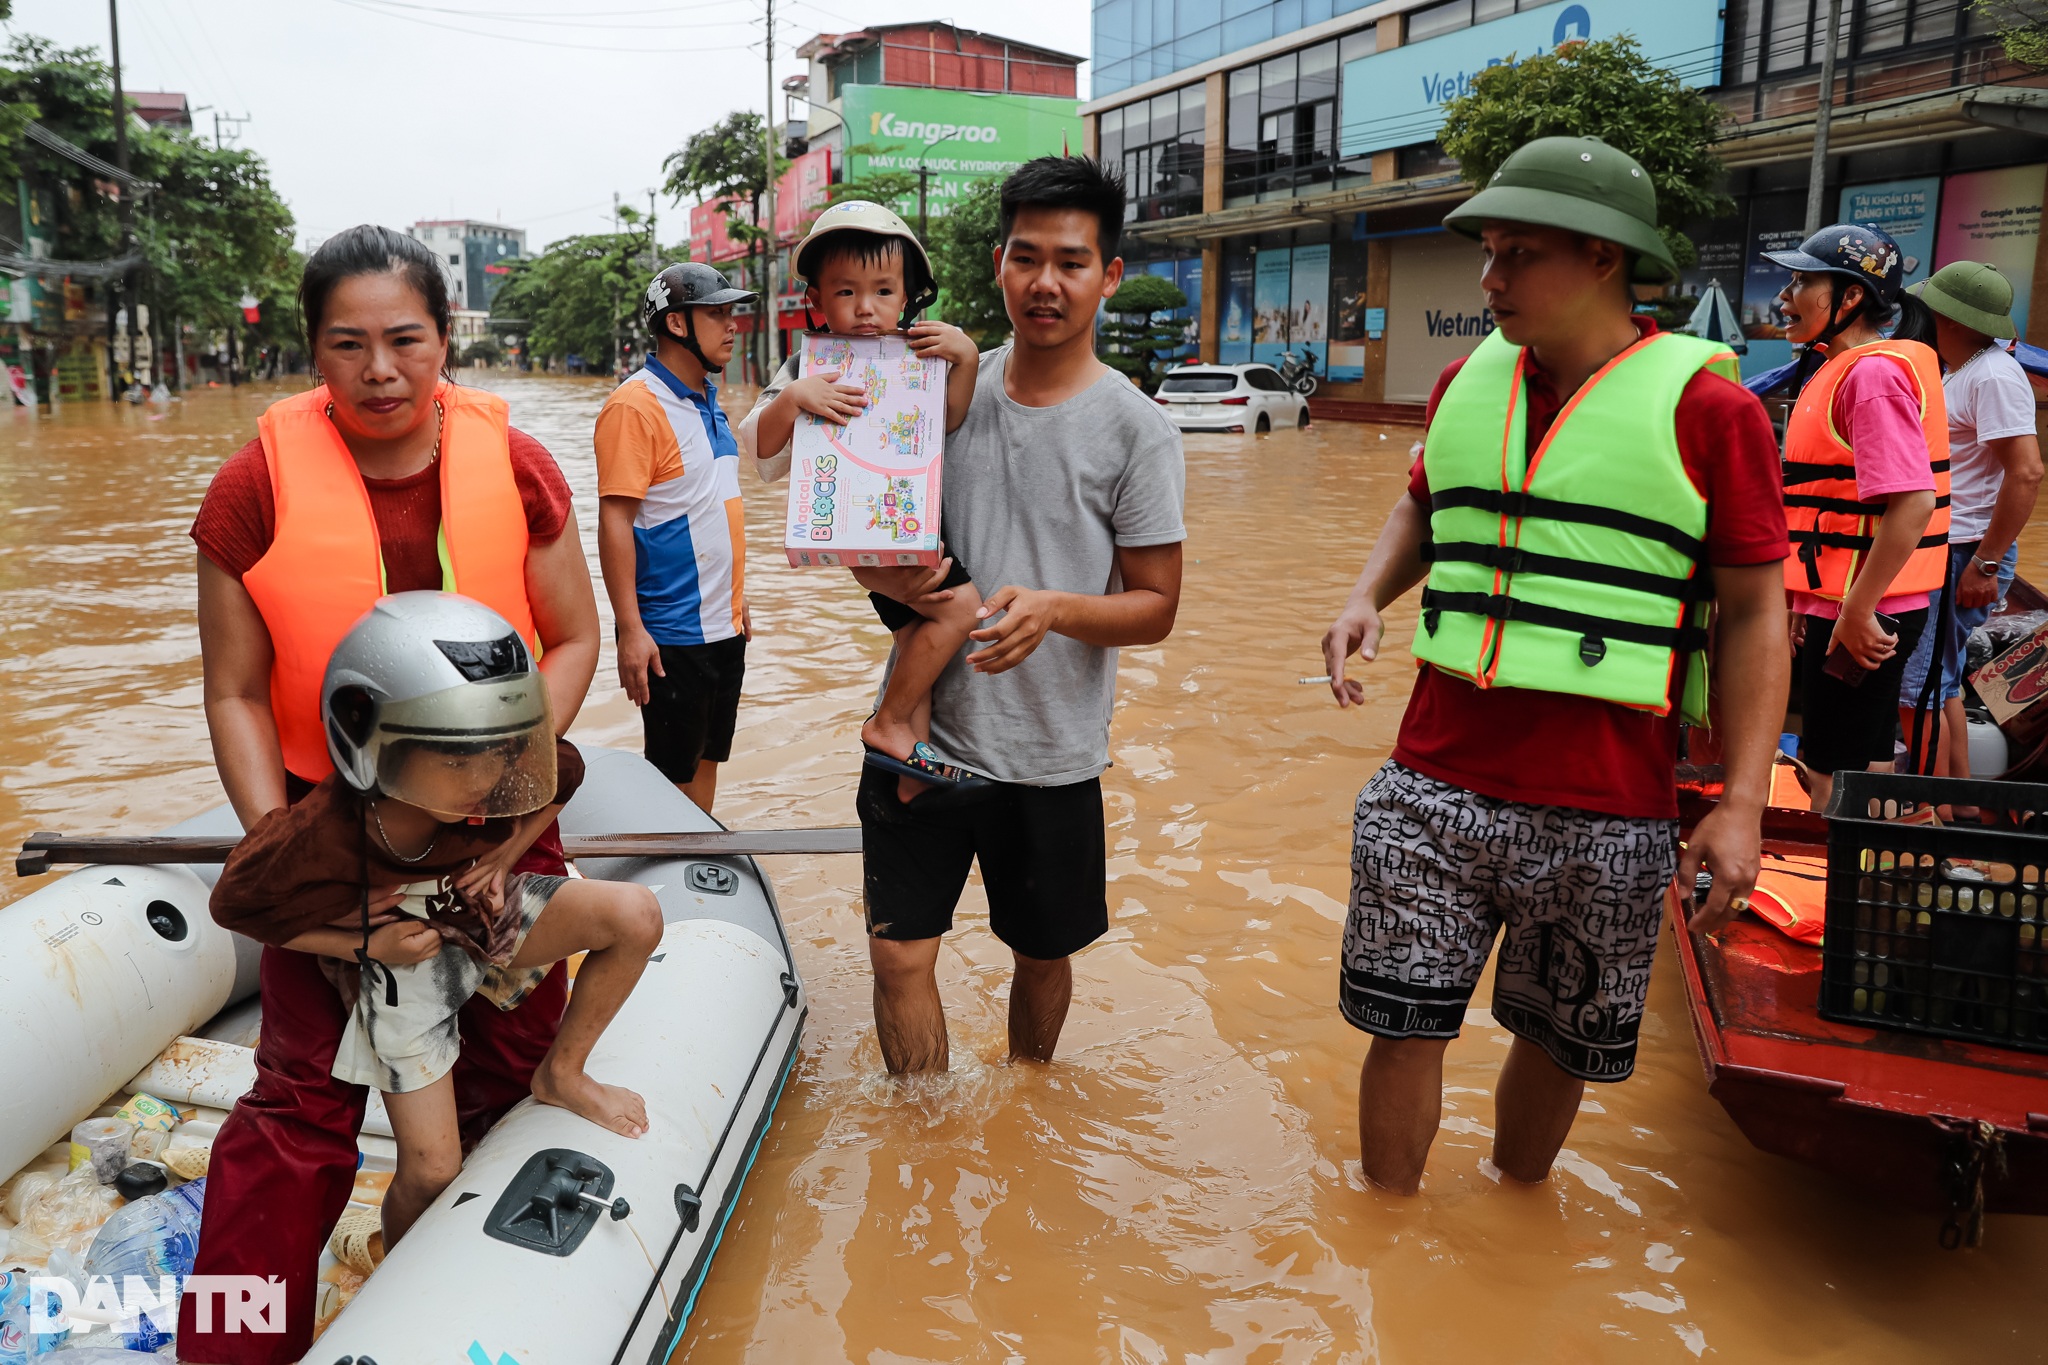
x,y
1396,98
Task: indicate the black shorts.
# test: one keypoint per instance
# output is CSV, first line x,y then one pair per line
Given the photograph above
x,y
1044,861
690,713
1850,727
896,616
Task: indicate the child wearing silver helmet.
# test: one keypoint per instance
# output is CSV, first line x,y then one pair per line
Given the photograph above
x,y
444,751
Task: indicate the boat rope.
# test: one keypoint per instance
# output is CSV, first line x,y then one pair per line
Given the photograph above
x,y
665,1311
1971,1146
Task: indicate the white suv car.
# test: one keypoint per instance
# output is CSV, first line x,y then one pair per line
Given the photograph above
x,y
1230,398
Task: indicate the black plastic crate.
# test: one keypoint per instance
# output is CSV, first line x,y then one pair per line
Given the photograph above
x,y
1939,929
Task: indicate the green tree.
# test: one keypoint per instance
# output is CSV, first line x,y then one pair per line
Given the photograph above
x,y
213,229
1610,90
963,246
1135,338
728,162
576,297
2022,25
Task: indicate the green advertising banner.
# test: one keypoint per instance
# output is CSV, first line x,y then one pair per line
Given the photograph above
x,y
958,135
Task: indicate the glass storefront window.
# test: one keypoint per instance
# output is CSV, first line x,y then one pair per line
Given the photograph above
x,y
1884,25
1281,133
1438,19
1159,143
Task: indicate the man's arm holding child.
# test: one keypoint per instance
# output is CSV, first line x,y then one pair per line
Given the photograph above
x,y
1142,614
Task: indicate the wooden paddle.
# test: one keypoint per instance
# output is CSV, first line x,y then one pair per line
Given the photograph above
x,y
40,851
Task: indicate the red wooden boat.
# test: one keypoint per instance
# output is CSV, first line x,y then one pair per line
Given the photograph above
x,y
1957,1128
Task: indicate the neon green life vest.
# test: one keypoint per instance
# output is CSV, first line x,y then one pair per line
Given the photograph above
x,y
1580,569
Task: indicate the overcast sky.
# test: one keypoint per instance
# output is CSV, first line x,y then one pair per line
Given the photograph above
x,y
526,112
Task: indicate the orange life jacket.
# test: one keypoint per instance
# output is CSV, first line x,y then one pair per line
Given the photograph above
x,y
1792,895
325,567
1832,530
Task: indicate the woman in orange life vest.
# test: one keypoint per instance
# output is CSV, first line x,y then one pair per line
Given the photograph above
x,y
387,478
1866,492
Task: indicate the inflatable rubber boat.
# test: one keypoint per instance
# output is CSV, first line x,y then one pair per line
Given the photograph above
x,y
560,1243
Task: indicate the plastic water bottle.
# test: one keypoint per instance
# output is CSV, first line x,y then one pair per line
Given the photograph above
x,y
15,1342
19,1345
151,1238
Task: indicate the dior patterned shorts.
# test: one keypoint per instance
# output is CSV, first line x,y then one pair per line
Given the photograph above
x,y
1438,871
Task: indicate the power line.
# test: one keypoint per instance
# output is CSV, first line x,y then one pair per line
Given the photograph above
x,y
551,22
206,37
551,16
369,7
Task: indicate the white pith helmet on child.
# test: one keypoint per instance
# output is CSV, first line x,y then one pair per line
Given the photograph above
x,y
434,700
866,216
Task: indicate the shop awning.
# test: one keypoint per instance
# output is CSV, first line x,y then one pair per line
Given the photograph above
x,y
1888,123
1281,214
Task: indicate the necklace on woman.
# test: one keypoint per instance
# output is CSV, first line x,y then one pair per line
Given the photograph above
x,y
420,857
440,428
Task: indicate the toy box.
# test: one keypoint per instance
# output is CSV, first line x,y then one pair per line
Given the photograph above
x,y
867,493
2012,684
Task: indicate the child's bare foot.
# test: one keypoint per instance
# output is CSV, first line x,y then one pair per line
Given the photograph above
x,y
897,741
608,1106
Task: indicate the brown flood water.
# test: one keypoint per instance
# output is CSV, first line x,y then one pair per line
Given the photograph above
x,y
1182,1184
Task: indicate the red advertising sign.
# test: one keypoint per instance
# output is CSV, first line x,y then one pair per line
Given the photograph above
x,y
801,192
709,240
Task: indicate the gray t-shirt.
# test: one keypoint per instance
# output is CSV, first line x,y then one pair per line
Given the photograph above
x,y
1042,498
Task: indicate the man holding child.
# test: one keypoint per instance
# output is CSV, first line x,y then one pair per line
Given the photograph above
x,y
1063,490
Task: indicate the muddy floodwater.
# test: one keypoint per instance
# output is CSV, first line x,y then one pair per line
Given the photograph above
x,y
1183,1183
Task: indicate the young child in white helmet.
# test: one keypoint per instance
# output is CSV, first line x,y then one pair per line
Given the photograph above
x,y
865,274
393,869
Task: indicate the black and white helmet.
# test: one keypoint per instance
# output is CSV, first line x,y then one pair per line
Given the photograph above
x,y
433,699
689,285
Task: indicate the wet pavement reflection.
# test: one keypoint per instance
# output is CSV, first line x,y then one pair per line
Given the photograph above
x,y
1182,1184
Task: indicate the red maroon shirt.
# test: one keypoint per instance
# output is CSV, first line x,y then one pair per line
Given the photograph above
x,y
237,520
1555,749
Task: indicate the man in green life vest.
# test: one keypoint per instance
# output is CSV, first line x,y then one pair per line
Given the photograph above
x,y
1593,498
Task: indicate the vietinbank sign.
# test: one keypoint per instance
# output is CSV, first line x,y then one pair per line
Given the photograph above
x,y
957,135
1395,98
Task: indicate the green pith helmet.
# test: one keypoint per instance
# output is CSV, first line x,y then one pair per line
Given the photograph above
x,y
1973,294
1582,185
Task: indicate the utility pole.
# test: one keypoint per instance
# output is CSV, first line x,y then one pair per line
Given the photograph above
x,y
1816,175
127,191
767,309
220,140
618,343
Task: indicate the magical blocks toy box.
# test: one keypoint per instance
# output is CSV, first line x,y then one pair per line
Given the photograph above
x,y
867,493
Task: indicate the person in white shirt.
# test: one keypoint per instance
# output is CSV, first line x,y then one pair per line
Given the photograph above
x,y
1993,478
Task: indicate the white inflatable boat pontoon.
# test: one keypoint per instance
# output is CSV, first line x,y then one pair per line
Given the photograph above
x,y
560,1243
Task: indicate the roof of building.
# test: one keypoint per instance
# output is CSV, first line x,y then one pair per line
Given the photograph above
x,y
830,44
464,222
156,106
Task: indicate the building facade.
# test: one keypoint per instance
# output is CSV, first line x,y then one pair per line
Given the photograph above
x,y
475,257
1295,181
941,105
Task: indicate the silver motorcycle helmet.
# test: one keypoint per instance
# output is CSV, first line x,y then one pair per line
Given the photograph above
x,y
433,699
